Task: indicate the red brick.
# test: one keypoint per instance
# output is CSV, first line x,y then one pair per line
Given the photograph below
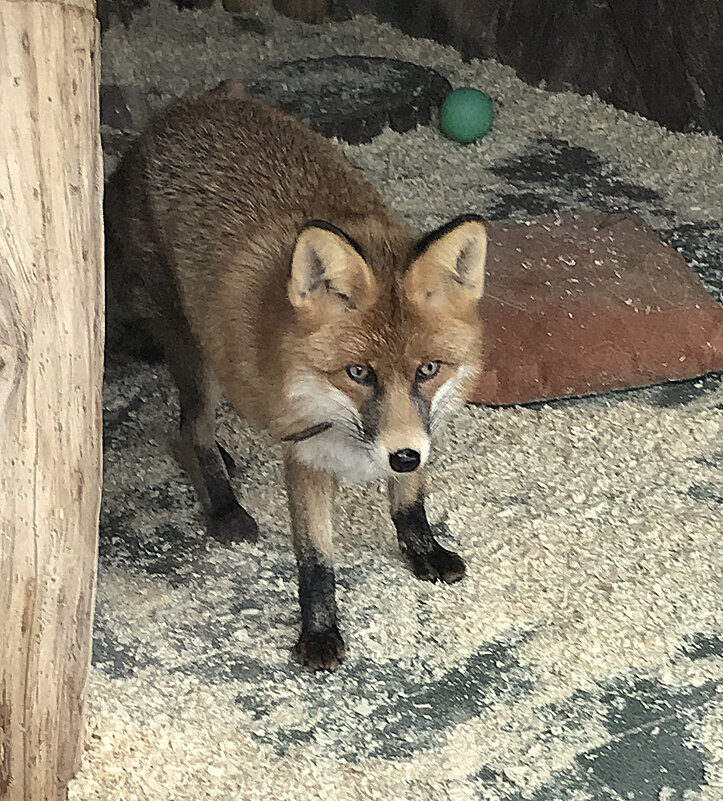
x,y
587,303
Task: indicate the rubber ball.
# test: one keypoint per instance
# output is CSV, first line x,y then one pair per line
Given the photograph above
x,y
466,114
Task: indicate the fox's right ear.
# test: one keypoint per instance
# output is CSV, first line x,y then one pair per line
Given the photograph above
x,y
328,272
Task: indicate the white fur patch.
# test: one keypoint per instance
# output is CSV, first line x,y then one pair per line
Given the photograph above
x,y
338,453
448,397
336,450
321,399
424,451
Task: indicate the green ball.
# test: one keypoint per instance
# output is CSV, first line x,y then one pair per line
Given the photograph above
x,y
466,114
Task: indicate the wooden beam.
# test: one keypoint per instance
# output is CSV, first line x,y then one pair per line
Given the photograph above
x,y
51,340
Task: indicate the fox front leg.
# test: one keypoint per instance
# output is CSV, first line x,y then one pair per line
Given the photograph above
x,y
428,559
311,498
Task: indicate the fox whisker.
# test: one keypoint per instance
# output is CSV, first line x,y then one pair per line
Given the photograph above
x,y
440,413
354,429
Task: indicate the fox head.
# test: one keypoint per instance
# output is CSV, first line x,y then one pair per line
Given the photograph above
x,y
385,344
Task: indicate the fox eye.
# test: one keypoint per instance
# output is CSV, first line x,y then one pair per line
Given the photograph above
x,y
428,370
360,374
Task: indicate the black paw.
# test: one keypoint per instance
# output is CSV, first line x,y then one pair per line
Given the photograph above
x,y
437,564
321,650
234,524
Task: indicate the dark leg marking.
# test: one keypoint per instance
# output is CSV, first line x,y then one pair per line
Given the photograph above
x,y
429,560
228,460
320,645
228,521
311,501
213,470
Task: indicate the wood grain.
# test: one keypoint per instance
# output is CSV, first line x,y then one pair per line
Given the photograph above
x,y
51,340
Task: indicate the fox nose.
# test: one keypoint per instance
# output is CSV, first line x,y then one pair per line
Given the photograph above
x,y
405,460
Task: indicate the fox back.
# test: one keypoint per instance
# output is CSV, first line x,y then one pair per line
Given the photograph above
x,y
326,319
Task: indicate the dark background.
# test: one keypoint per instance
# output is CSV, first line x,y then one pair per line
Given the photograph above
x,y
660,58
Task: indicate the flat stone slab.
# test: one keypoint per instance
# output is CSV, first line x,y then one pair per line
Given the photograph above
x,y
353,97
586,303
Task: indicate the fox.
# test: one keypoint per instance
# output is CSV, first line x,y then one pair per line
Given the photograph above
x,y
270,272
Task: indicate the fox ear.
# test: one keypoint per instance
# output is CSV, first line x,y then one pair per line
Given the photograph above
x,y
328,272
450,264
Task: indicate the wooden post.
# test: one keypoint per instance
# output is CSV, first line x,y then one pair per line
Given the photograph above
x,y
51,340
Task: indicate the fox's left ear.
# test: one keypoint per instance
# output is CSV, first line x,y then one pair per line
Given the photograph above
x,y
450,264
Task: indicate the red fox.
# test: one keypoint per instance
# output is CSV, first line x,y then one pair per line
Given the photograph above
x,y
267,268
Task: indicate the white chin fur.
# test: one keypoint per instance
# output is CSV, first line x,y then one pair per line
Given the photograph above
x,y
336,452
